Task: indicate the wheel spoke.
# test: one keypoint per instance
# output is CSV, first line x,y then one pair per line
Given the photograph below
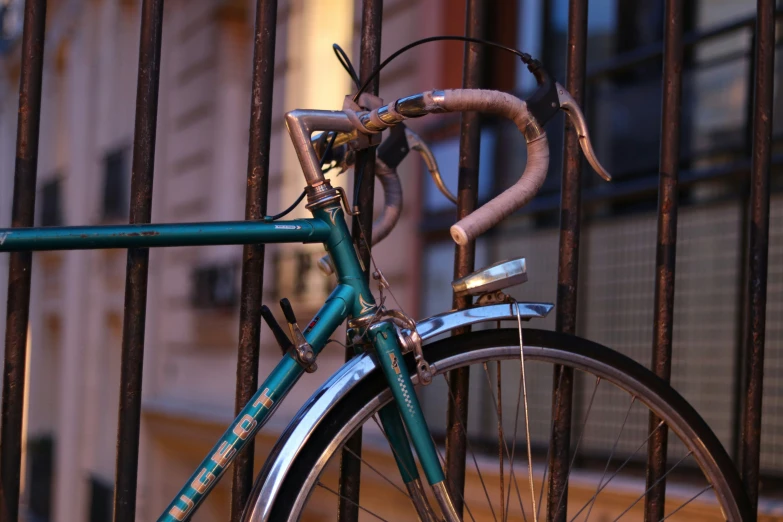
x,y
330,490
513,450
527,418
383,431
440,457
510,455
652,485
501,441
384,477
626,461
472,454
448,482
591,502
694,497
578,441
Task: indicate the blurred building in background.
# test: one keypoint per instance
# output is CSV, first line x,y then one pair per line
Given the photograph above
x,y
192,313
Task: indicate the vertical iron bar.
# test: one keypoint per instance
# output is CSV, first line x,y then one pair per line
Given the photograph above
x,y
369,60
261,94
19,276
138,262
465,256
741,321
568,266
759,244
666,248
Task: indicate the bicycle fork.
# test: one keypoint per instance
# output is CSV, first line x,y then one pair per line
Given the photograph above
x,y
405,414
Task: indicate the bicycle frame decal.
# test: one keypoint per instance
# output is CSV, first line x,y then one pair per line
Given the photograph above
x,y
347,300
258,410
384,338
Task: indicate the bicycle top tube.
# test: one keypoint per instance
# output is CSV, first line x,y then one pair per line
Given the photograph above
x,y
164,235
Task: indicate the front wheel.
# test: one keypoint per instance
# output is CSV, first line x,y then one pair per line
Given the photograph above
x,y
505,476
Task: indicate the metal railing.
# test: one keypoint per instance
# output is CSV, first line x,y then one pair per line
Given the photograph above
x,y
253,256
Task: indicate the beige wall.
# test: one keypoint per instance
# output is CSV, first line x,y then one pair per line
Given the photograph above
x,y
200,170
201,155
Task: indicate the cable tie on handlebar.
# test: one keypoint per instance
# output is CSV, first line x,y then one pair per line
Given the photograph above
x,y
377,120
393,111
370,102
353,110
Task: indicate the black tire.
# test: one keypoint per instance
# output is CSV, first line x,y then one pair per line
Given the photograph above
x,y
579,353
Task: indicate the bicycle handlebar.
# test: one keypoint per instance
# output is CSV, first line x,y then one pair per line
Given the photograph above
x,y
366,124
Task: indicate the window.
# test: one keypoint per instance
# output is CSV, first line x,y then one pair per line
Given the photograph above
x,y
51,211
40,462
116,185
304,263
215,286
11,14
101,495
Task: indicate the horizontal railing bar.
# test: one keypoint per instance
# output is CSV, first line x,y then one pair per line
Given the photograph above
x,y
631,59
163,235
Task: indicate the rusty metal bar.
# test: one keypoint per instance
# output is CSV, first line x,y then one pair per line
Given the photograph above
x,y
369,60
568,266
19,276
262,89
741,320
759,244
464,256
138,262
666,248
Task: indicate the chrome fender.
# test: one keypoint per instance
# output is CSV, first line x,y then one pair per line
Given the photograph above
x,y
309,416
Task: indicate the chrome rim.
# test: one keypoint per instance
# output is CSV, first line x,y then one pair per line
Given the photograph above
x,y
515,474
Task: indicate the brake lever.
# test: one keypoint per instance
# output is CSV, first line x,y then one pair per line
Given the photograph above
x,y
416,143
400,142
571,108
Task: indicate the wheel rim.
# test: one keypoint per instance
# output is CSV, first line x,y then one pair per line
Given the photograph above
x,y
514,476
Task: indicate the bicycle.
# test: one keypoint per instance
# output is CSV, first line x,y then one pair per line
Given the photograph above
x,y
396,354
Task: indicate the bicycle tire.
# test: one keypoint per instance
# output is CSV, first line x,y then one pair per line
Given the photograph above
x,y
552,347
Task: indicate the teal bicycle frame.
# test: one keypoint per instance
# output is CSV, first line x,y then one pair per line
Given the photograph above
x,y
351,299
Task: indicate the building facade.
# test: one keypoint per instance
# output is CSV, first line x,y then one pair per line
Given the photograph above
x,y
200,172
